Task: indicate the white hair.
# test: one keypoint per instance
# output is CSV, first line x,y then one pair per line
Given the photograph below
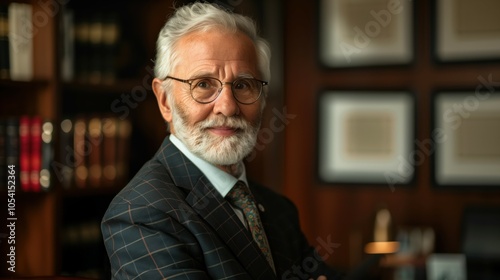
x,y
203,17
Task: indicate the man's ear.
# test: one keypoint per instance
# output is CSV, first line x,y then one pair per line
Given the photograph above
x,y
161,97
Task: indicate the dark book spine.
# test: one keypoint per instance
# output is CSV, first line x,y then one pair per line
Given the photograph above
x,y
82,50
35,153
64,167
4,42
96,48
67,42
124,132
94,140
12,146
3,166
24,153
81,150
110,39
47,155
109,156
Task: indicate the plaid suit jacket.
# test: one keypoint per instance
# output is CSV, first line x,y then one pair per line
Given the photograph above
x,y
169,222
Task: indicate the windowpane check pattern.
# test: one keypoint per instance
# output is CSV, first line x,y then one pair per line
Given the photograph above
x,y
241,197
206,89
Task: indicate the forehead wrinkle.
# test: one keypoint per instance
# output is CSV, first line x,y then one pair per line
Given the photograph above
x,y
208,74
213,58
220,72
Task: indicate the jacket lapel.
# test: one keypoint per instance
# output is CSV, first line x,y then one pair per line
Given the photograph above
x,y
215,210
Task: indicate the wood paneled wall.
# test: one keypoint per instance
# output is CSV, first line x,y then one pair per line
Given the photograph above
x,y
338,212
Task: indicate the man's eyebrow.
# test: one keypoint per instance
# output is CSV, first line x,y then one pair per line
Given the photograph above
x,y
203,75
213,75
245,75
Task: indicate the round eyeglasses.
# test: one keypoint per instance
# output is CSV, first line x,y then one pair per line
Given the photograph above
x,y
206,89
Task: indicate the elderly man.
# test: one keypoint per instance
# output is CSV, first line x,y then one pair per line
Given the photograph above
x,y
190,212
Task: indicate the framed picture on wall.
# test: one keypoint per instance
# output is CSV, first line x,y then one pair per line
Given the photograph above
x,y
467,30
366,137
466,137
354,33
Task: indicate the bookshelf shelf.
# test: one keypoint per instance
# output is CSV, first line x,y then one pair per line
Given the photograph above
x,y
121,86
91,192
10,84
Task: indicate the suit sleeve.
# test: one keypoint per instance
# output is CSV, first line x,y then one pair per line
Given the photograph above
x,y
145,243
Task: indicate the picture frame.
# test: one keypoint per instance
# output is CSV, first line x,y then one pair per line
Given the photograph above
x,y
357,33
366,137
466,30
466,137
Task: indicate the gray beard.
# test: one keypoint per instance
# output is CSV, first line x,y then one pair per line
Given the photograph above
x,y
217,150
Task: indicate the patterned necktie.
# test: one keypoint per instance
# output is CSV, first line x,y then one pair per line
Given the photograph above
x,y
241,197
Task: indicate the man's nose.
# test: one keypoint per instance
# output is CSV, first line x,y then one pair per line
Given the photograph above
x,y
225,103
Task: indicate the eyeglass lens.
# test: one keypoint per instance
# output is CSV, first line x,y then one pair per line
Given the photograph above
x,y
245,90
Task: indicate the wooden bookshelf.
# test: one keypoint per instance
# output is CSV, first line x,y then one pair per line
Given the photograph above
x,y
35,231
48,223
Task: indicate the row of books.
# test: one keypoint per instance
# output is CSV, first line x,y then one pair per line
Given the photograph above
x,y
16,41
94,152
26,146
90,46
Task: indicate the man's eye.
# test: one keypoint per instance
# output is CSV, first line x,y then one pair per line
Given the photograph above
x,y
203,84
242,85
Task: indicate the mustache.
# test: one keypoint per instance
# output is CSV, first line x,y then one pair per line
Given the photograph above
x,y
233,122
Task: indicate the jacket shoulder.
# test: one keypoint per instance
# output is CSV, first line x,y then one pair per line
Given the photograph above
x,y
151,186
268,195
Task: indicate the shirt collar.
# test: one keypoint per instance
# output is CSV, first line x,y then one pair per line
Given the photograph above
x,y
222,181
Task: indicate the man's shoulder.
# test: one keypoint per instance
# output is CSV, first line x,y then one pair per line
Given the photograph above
x,y
267,194
152,183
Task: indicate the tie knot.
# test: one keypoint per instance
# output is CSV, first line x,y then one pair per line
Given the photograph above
x,y
240,196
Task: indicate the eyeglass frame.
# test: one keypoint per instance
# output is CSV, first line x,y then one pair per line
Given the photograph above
x,y
219,90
